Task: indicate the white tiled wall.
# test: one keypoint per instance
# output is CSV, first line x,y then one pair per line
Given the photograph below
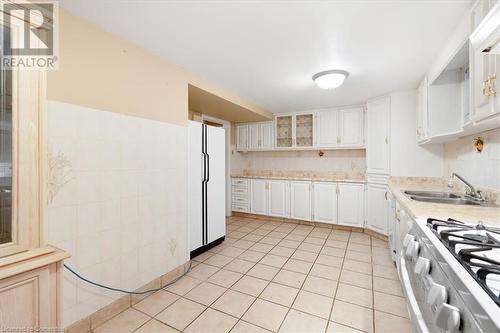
x,y
121,213
332,160
481,169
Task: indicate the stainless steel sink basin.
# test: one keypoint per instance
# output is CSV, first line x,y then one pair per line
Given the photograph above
x,y
433,194
455,201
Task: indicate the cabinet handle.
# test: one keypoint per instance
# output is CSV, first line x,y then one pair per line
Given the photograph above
x,y
491,91
386,140
385,195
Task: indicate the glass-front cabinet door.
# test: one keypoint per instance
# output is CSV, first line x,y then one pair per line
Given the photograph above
x,y
304,130
284,131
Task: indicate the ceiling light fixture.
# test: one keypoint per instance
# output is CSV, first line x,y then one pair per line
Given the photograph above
x,y
330,79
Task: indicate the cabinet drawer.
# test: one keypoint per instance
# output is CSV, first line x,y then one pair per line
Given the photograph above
x,y
239,190
240,208
240,200
240,182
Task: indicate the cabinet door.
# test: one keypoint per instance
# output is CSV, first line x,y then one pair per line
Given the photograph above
x,y
377,139
351,204
266,135
254,136
279,198
258,196
304,130
325,202
377,208
241,137
351,128
327,135
300,200
284,131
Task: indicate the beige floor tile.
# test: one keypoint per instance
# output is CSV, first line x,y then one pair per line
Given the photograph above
x,y
236,234
289,243
154,304
125,322
298,266
252,238
280,294
338,328
323,259
385,272
184,285
263,272
387,323
314,304
277,234
218,260
353,315
203,271
359,248
252,256
357,266
266,314
231,251
315,240
282,251
270,240
358,256
155,326
244,327
260,247
305,256
225,278
327,272
295,237
250,285
300,322
309,247
356,279
181,313
391,304
360,238
289,278
320,286
336,243
239,266
333,251
273,260
243,244
384,260
379,243
260,232
387,286
355,295
212,321
381,251
202,257
206,293
233,303
318,235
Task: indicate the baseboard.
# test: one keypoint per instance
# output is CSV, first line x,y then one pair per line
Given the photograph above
x,y
96,319
315,224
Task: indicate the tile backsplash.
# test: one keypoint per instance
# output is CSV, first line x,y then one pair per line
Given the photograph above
x,y
118,201
481,169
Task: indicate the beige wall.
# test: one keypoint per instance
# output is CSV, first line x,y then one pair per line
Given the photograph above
x,y
103,71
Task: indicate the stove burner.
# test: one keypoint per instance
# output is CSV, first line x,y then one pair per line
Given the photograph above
x,y
474,248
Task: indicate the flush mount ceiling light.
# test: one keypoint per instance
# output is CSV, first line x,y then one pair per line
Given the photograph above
x,y
330,79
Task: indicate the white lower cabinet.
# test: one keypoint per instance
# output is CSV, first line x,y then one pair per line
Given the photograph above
x,y
377,208
279,198
351,204
258,197
300,200
325,202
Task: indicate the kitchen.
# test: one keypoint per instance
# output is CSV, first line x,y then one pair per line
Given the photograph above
x,y
319,175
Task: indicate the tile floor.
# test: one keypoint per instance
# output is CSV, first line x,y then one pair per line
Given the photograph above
x,y
278,277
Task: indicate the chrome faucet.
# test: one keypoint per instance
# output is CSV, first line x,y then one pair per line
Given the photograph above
x,y
470,191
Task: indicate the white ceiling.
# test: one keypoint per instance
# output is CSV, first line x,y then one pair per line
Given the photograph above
x,y
267,51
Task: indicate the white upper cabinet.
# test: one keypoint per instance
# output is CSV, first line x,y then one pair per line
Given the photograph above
x,y
377,209
377,138
284,131
241,137
266,135
325,202
300,200
279,198
327,124
254,136
351,127
258,197
304,130
351,204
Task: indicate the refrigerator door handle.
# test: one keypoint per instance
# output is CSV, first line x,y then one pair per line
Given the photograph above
x,y
202,167
208,167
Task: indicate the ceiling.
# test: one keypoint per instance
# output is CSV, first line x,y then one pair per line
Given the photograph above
x,y
267,51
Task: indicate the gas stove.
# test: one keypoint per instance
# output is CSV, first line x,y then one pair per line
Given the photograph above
x,y
477,249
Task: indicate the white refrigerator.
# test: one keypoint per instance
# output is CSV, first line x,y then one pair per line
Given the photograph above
x,y
206,186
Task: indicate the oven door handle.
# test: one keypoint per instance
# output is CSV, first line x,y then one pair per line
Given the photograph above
x,y
416,317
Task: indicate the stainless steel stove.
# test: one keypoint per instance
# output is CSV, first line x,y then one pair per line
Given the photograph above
x,y
450,273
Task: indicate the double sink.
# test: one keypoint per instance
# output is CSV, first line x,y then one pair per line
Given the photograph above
x,y
447,198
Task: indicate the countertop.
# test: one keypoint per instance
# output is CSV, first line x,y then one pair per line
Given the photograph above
x,y
422,210
333,178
